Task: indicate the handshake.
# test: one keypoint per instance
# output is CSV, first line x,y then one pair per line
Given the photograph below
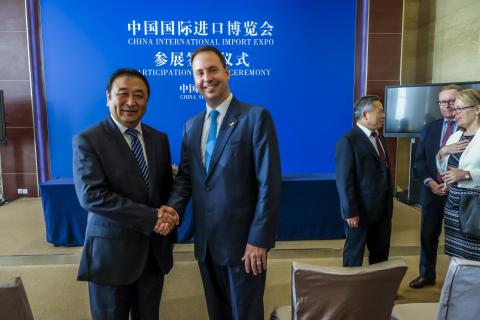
x,y
167,220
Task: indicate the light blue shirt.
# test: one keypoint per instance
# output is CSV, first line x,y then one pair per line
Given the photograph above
x,y
222,109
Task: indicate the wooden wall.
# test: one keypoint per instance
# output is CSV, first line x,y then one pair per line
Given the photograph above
x,y
19,169
384,54
441,41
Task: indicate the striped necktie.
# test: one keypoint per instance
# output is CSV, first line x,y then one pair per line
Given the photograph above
x,y
446,135
138,153
212,136
448,132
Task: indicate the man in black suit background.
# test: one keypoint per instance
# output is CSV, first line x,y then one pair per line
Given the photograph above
x,y
122,174
364,185
433,196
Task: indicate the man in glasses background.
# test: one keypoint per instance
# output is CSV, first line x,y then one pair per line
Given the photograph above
x,y
432,196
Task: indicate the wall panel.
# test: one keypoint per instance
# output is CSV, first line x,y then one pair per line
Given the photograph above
x,y
18,156
384,54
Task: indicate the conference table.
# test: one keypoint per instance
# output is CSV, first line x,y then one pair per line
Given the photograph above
x,y
65,220
309,210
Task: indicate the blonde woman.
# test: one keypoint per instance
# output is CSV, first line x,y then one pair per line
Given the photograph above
x,y
459,159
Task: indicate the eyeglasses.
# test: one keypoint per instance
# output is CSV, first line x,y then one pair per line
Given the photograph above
x,y
460,109
445,102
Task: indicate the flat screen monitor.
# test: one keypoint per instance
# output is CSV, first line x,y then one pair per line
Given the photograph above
x,y
408,108
3,131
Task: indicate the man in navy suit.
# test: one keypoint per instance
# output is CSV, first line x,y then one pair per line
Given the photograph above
x,y
230,167
433,196
364,185
122,174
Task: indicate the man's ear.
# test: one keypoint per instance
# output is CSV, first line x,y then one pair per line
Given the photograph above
x,y
227,71
107,94
364,115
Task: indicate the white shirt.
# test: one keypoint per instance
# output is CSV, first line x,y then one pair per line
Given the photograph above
x,y
368,132
128,139
222,111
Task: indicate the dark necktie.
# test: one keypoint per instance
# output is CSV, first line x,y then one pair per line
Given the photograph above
x,y
381,153
138,153
448,132
212,136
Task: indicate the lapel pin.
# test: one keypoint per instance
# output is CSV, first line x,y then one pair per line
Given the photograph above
x,y
232,124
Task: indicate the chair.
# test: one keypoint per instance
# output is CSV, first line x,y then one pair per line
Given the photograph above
x,y
415,311
459,300
320,292
13,301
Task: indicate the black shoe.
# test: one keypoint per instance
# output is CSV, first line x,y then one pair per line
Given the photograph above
x,y
420,282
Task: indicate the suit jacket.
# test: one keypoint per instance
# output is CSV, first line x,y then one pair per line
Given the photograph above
x,y
425,158
121,209
237,200
363,183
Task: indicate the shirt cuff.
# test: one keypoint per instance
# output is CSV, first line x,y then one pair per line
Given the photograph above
x,y
426,181
178,217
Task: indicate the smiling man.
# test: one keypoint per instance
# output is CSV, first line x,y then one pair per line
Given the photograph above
x,y
230,166
122,174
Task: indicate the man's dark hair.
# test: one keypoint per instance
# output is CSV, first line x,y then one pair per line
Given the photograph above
x,y
364,104
212,49
129,73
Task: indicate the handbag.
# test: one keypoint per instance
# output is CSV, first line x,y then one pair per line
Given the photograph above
x,y
469,213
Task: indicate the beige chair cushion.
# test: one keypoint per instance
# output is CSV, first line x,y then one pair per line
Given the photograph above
x,y
13,301
415,311
320,292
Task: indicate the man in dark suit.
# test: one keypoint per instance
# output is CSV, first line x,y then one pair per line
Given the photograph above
x,y
230,166
433,196
364,185
122,174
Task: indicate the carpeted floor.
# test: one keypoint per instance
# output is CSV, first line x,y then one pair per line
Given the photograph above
x,y
49,272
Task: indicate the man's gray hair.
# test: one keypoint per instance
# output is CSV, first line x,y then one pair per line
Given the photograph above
x,y
451,87
364,104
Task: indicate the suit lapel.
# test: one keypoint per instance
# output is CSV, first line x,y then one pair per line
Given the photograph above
x,y
119,140
437,133
150,149
384,146
366,141
437,129
126,151
196,143
229,124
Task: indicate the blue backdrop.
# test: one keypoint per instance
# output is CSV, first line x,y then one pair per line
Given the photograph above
x,y
295,58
